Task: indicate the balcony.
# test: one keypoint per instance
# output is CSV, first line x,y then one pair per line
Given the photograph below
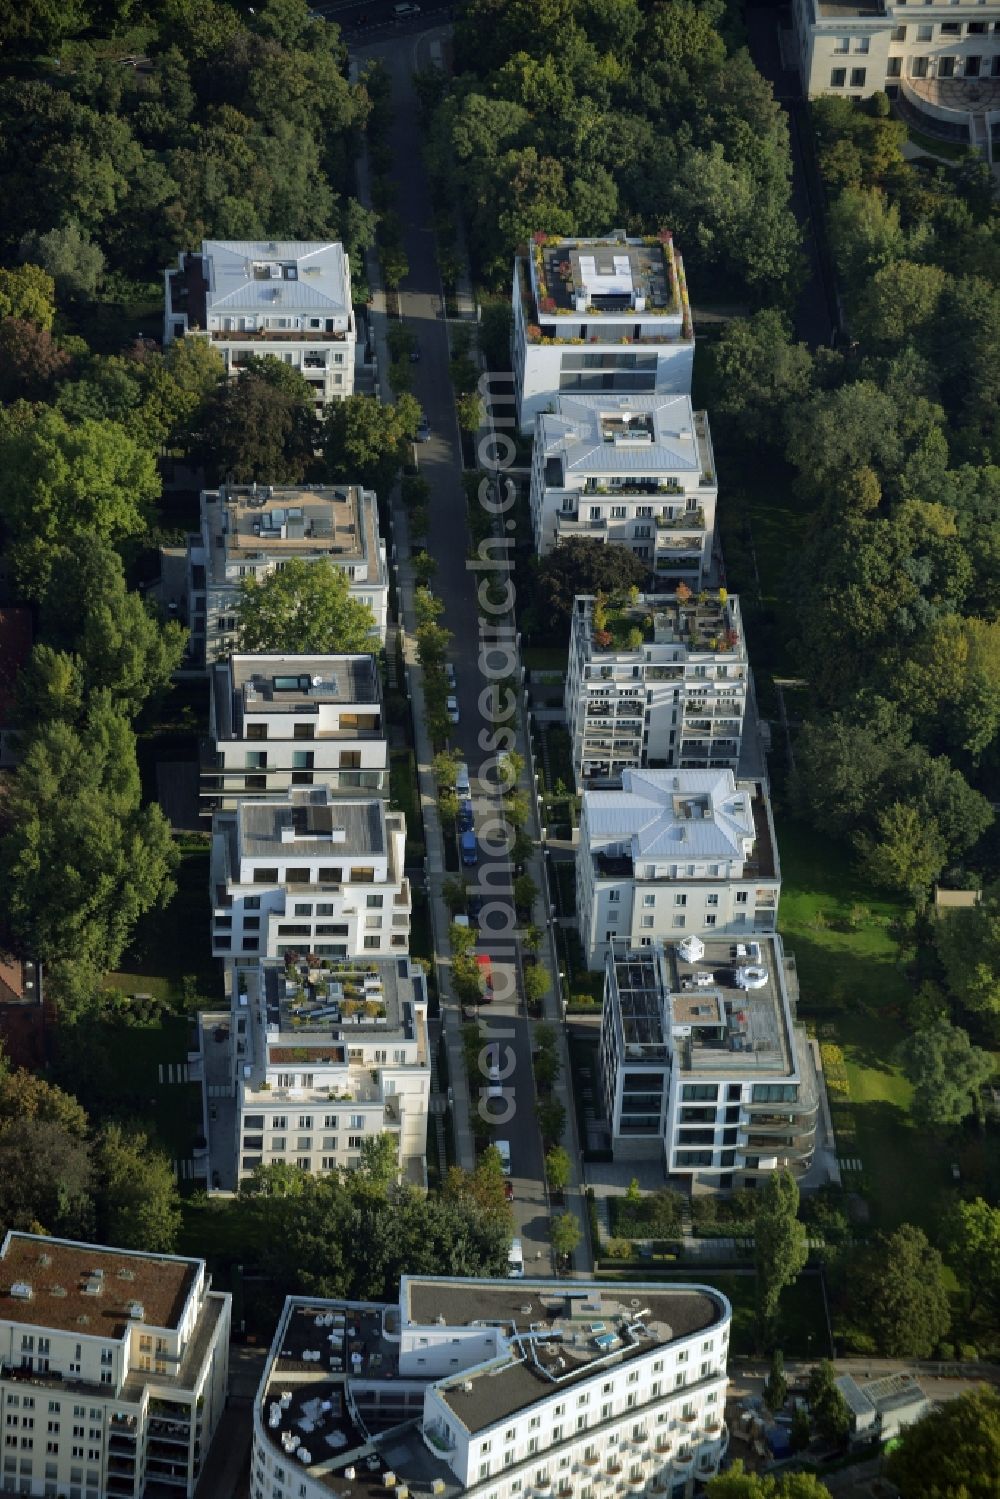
x,y
690,520
275,335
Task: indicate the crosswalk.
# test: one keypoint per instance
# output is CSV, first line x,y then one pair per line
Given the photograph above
x,y
174,1072
850,1163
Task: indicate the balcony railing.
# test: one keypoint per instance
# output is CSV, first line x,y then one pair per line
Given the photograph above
x,y
689,520
275,335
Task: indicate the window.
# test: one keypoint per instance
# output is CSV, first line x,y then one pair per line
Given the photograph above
x,y
838,77
649,900
374,902
680,900
899,33
976,28
925,32
842,44
679,921
614,896
713,900
862,45
264,875
918,67
858,76
647,921
946,67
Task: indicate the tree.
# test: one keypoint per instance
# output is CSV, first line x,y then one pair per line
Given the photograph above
x,y
907,852
68,254
525,893
565,1235
829,1410
780,1248
582,565
801,1434
65,481
30,361
536,984
757,373
83,860
39,25
28,293
737,1483
379,1162
968,945
552,1120
776,1388
138,1206
363,440
954,1450
44,1178
558,1168
304,608
24,1095
947,1072
900,1294
260,426
973,1248
483,1187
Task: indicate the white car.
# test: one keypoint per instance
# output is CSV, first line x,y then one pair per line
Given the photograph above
x,y
515,1260
452,706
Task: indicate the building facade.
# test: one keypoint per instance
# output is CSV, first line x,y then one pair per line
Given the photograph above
x,y
326,1056
495,1389
250,530
632,470
113,1369
671,853
309,874
939,61
577,302
276,722
655,683
289,300
702,1063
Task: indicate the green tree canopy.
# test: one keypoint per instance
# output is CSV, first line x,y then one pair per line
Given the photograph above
x,y
261,426
305,607
137,1200
947,1072
67,254
973,1248
27,293
64,481
952,1452
780,1248
829,1410
737,1483
968,945
582,565
363,440
899,1293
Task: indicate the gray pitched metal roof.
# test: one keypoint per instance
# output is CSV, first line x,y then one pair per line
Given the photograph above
x,y
574,431
653,813
320,284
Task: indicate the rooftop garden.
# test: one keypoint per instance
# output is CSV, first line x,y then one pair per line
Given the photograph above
x,y
627,621
560,287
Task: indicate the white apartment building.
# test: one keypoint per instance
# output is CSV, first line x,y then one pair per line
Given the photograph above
x,y
249,530
675,852
496,1389
702,1063
288,299
939,61
113,1369
600,315
309,874
281,721
658,682
633,470
324,1056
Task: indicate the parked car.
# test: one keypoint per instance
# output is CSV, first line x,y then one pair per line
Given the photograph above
x,y
423,430
503,1151
508,1190
415,352
470,850
449,671
485,963
452,706
515,1260
466,820
405,12
475,906
462,779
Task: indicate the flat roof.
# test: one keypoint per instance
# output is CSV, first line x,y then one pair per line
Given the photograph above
x,y
60,1271
700,623
754,1036
310,823
611,272
625,434
356,998
336,521
275,683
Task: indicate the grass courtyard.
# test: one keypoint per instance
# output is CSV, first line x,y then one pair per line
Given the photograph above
x,y
170,955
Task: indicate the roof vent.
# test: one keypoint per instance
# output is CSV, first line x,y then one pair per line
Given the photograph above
x,y
466,1387
136,1311
126,1274
93,1285
59,1291
83,1320
21,1290
44,1260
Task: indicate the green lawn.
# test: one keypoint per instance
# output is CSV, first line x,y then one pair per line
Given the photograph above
x,y
403,793
173,1109
950,150
545,658
170,955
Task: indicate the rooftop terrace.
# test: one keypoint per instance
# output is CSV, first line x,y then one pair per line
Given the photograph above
x,y
610,275
256,522
308,823
344,999
702,622
248,687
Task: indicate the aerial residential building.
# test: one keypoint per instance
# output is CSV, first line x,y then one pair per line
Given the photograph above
x,y
325,1056
882,1408
281,721
495,1389
288,299
634,470
940,64
114,1369
658,682
608,314
309,874
674,852
249,530
703,1065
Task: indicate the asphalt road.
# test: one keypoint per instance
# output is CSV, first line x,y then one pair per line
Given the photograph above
x,y
422,308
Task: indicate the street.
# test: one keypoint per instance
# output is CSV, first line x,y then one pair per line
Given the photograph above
x,y
421,302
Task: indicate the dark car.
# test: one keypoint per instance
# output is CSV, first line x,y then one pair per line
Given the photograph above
x,y
474,906
415,353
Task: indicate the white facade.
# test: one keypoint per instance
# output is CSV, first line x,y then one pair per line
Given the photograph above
x,y
247,531
578,301
281,721
602,1387
662,684
702,1063
940,61
325,1058
309,874
671,853
290,300
633,470
113,1369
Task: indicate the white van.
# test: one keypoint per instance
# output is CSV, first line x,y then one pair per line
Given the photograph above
x,y
404,12
462,787
515,1261
502,1148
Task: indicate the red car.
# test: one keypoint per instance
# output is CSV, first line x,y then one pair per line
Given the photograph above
x,y
485,963
508,1190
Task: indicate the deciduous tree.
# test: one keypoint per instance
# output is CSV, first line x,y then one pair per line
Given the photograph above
x,y
947,1072
954,1450
305,607
780,1249
899,1292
